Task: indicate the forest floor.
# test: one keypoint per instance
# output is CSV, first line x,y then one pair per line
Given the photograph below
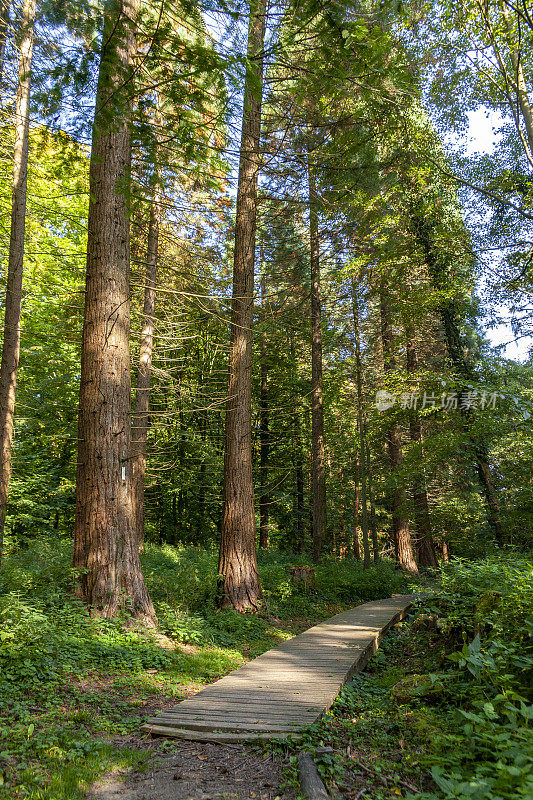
x,y
54,743
182,770
75,691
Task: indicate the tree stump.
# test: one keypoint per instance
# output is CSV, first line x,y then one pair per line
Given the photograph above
x,y
303,576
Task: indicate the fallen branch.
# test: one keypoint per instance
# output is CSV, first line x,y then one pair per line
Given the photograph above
x,y
310,781
409,786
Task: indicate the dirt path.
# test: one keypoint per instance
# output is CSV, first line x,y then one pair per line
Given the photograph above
x,y
197,771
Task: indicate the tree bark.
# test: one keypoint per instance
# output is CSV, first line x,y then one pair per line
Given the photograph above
x,y
179,534
105,542
445,551
515,82
299,501
239,584
425,545
519,77
200,524
4,24
356,547
400,526
479,449
373,525
141,417
263,433
317,408
360,427
13,300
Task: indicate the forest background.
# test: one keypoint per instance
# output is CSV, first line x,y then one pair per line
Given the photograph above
x,y
250,256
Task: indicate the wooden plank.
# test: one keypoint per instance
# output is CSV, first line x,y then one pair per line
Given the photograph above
x,y
203,736
190,719
259,711
209,724
228,703
215,725
263,713
276,699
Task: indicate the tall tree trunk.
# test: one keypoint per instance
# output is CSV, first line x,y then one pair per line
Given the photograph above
x,y
310,495
356,547
449,313
239,585
519,77
263,433
373,524
360,427
139,431
179,534
400,526
4,24
515,82
105,542
317,415
445,551
481,456
13,301
174,512
200,525
425,544
300,502
364,499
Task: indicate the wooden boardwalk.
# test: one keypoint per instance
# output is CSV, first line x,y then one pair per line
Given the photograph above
x,y
286,688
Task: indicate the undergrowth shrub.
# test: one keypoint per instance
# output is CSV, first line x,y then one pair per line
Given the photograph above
x,y
46,632
484,613
348,582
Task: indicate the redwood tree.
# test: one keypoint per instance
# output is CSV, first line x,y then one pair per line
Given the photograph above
x,y
318,456
239,586
11,343
139,431
105,541
264,436
297,461
361,429
425,545
400,525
